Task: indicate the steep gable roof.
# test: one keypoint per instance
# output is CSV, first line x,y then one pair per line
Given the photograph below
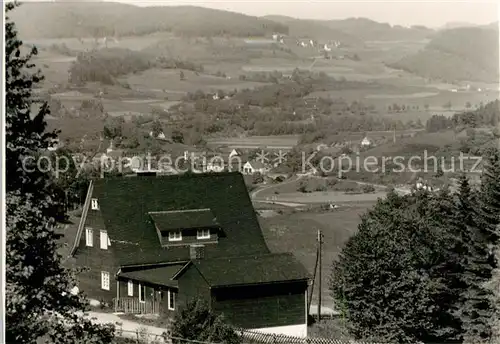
x,y
246,270
125,204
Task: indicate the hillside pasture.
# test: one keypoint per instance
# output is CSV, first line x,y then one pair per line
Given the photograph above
x,y
168,81
297,233
254,142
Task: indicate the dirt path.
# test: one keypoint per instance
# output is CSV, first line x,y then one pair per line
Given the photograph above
x,y
254,193
129,327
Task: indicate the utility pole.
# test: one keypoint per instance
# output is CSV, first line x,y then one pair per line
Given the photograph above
x,y
320,241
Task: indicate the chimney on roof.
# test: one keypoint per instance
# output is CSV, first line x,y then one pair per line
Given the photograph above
x,y
196,252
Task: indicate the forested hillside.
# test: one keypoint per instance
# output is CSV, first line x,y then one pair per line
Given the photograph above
x,y
78,19
457,54
315,29
369,30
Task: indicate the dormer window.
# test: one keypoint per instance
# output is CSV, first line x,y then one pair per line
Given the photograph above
x,y
95,204
175,236
181,227
203,234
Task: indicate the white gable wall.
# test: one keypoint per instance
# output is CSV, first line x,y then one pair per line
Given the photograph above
x,y
290,330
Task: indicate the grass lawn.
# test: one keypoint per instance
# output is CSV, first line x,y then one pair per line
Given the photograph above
x,y
297,232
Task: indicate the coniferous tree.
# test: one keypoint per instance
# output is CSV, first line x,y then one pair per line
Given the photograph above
x,y
397,277
41,302
483,301
473,256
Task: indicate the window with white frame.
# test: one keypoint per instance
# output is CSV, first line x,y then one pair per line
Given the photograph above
x,y
95,204
203,234
142,293
130,288
89,237
105,280
171,299
104,240
175,236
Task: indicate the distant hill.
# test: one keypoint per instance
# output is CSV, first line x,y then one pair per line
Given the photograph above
x,y
462,54
315,29
369,30
492,26
98,19
456,25
353,29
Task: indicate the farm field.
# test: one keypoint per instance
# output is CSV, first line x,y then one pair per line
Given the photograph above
x,y
168,81
250,142
297,233
322,197
162,89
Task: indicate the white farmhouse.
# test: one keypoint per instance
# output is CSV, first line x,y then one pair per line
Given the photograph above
x,y
234,152
366,142
252,167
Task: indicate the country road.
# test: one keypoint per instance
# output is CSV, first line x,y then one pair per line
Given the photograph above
x,y
301,199
254,193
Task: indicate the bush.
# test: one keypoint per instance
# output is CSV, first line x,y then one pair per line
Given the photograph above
x,y
197,322
368,188
320,188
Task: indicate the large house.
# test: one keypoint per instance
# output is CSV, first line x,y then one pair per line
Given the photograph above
x,y
153,243
254,166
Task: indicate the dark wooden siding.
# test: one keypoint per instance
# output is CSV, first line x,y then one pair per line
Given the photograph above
x,y
150,289
192,286
161,294
96,260
263,305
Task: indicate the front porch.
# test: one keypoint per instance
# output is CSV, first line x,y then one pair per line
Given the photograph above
x,y
132,305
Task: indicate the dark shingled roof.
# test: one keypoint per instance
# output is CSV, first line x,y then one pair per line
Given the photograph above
x,y
125,204
157,275
256,269
183,219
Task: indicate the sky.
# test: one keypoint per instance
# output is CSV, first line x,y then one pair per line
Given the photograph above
x,y
396,12
429,13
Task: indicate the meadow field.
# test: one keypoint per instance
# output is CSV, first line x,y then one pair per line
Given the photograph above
x,y
253,142
297,232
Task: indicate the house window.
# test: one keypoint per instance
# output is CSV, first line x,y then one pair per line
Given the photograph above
x,y
104,240
89,237
203,234
95,204
175,236
171,300
142,293
130,288
105,280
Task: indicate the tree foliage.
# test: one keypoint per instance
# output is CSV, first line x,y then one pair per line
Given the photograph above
x,y
419,266
196,322
39,303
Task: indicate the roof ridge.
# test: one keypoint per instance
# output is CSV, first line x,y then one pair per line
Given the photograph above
x,y
179,211
175,176
250,255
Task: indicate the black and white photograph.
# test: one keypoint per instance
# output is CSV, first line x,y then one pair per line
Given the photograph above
x,y
250,172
